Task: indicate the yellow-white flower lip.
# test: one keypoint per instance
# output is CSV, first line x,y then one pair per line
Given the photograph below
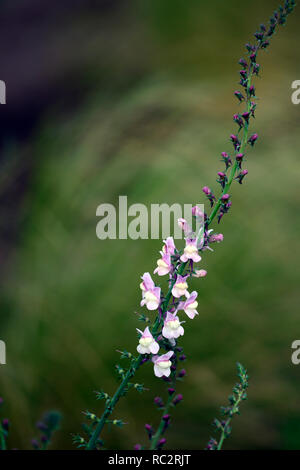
x,y
194,305
142,286
150,297
161,263
181,285
146,341
190,249
164,364
173,324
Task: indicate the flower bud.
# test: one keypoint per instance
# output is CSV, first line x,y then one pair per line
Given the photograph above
x,y
253,139
239,96
158,401
200,273
171,391
182,373
161,443
177,399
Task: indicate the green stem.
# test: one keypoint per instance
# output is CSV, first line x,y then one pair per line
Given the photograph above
x,y
92,444
2,439
155,439
234,411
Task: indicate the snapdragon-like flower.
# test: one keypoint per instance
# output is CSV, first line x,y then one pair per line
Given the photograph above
x,y
147,344
190,305
164,265
162,364
190,251
182,223
200,273
172,326
169,246
180,287
151,294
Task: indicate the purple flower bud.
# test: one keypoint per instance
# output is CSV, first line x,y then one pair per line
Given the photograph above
x,y
252,91
246,116
177,399
41,426
35,444
5,424
241,176
243,74
253,57
256,68
253,139
137,447
206,190
171,391
239,157
166,417
158,401
182,373
161,443
225,197
265,44
243,63
182,357
239,96
221,174
259,35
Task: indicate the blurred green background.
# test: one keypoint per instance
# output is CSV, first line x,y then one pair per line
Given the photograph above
x,y
118,98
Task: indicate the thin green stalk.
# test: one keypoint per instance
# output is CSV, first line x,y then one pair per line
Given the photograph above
x,y
2,439
130,373
234,411
155,439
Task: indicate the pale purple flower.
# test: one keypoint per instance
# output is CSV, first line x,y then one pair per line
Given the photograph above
x,y
162,364
200,273
184,226
147,344
217,237
169,246
190,305
180,286
150,293
164,265
197,212
190,252
172,327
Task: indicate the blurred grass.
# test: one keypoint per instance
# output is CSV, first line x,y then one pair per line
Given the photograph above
x,y
68,299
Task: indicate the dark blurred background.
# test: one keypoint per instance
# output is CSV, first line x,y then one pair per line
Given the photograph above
x,y
106,98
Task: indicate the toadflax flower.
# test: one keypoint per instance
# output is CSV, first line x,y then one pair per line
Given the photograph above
x,y
169,246
200,273
162,364
172,327
164,265
151,294
147,344
190,252
180,287
190,305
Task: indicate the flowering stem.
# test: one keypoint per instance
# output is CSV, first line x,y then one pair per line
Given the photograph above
x,y
121,391
235,165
